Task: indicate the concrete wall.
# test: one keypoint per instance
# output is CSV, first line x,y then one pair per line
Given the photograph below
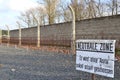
x,y
48,31
97,28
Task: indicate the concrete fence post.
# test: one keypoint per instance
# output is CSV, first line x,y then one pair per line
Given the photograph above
x,y
73,46
0,36
8,36
19,33
38,33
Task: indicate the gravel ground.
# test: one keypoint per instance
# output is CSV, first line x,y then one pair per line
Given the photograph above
x,y
21,64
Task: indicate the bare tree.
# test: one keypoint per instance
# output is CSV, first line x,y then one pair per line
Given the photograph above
x,y
116,6
79,8
36,14
66,15
64,12
25,18
51,7
91,8
113,6
100,8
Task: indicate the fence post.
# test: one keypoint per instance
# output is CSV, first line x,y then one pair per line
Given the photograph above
x,y
19,33
8,34
93,76
73,46
0,36
38,33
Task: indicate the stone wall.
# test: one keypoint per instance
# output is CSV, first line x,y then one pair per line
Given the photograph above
x,y
97,28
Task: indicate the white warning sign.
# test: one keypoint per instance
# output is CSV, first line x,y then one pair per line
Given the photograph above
x,y
96,56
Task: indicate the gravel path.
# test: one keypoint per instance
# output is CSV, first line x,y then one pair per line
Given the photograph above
x,y
20,64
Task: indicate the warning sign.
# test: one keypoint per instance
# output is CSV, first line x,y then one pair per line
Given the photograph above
x,y
96,56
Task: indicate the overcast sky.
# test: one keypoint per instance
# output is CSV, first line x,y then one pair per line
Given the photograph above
x,y
10,9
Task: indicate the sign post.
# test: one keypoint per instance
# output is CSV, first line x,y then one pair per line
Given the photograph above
x,y
93,76
96,57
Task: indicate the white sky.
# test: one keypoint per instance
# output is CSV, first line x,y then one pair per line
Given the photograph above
x,y
10,9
